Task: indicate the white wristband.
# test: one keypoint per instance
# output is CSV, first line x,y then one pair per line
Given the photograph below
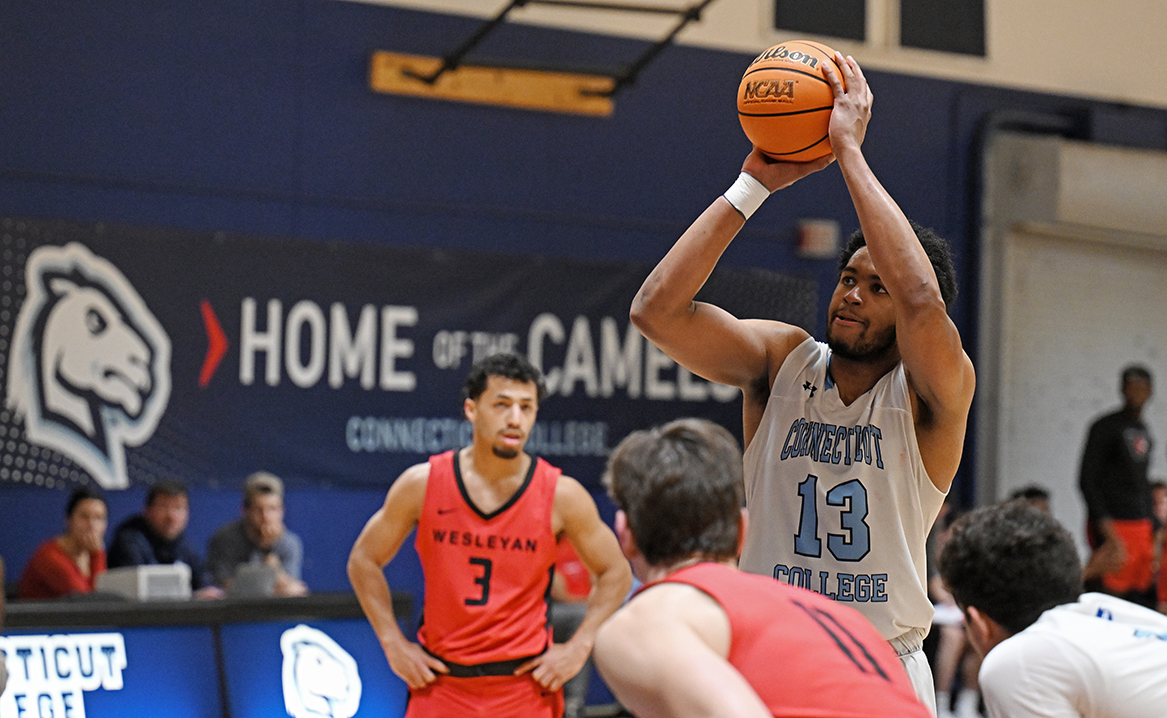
x,y
746,194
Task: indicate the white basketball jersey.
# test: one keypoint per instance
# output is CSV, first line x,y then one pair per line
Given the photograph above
x,y
1100,657
838,498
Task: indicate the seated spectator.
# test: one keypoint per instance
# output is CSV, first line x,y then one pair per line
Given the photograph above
x,y
1049,649
259,539
70,563
157,536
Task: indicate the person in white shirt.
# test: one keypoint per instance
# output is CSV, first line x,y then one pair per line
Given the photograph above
x,y
1050,650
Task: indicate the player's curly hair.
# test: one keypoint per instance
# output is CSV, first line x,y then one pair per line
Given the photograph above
x,y
1012,561
680,485
936,247
508,365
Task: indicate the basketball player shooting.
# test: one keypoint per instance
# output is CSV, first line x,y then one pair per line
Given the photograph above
x,y
488,518
851,444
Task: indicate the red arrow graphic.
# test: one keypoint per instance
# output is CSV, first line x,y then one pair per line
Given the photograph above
x,y
216,344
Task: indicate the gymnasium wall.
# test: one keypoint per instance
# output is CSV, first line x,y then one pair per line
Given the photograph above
x,y
1038,45
256,119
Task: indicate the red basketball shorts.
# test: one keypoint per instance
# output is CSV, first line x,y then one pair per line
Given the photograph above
x,y
1135,573
485,697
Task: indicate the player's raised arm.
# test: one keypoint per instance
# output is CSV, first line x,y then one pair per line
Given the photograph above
x,y
600,553
376,545
703,338
939,372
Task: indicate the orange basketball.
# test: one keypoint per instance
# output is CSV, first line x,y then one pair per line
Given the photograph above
x,y
784,101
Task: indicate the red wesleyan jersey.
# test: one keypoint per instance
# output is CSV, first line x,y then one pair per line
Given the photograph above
x,y
804,654
487,576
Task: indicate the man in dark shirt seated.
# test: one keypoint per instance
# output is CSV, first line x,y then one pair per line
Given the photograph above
x,y
157,536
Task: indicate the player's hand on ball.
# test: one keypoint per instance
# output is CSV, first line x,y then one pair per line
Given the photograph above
x,y
776,174
852,109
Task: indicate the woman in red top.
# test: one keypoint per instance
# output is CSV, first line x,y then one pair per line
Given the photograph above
x,y
70,563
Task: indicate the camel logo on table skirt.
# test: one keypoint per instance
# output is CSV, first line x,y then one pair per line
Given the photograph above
x,y
320,677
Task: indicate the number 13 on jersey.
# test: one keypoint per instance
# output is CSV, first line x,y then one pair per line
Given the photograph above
x,y
850,500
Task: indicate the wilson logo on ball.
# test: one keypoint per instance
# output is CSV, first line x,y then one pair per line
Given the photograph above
x,y
775,90
781,53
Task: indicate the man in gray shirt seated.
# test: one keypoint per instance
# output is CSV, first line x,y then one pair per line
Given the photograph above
x,y
257,554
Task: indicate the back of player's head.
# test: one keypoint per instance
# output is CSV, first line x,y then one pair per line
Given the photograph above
x,y
680,485
936,247
508,365
1012,561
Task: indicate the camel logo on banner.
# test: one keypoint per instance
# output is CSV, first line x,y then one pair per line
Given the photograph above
x,y
320,677
89,370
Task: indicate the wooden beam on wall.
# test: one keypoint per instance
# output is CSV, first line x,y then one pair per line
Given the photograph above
x,y
548,91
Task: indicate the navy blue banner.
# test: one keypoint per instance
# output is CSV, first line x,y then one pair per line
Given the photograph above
x,y
334,667
133,354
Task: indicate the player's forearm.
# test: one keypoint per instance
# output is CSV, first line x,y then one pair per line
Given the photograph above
x,y
668,292
607,596
903,266
372,591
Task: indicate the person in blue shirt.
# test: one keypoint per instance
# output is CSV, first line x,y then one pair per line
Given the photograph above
x,y
157,535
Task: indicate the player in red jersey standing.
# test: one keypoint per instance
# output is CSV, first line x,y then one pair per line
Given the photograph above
x,y
702,638
487,518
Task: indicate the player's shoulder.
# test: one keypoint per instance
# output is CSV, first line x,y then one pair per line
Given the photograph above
x,y
670,603
571,496
795,348
627,629
411,484
563,482
782,342
406,496
1037,648
779,338
416,474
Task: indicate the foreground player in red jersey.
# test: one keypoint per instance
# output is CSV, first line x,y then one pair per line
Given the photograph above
x,y
487,518
702,638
